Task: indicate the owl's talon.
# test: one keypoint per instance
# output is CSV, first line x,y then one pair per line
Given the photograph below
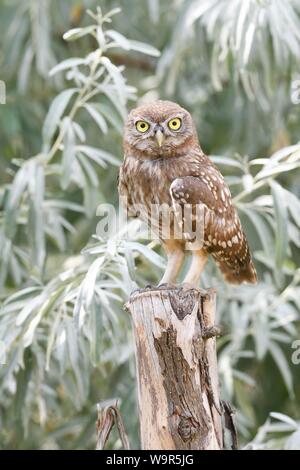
x,y
188,286
142,289
168,285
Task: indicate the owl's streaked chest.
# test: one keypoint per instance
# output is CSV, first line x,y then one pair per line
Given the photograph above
x,y
149,181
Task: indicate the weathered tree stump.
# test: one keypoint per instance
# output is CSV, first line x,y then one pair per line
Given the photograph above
x,y
178,392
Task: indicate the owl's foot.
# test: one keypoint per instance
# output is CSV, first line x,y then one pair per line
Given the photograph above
x,y
168,285
147,288
189,286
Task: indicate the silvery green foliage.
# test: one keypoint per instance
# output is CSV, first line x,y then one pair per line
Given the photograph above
x,y
68,340
52,328
240,32
281,432
93,78
241,54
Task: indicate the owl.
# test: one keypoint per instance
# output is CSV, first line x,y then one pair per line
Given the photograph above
x,y
164,165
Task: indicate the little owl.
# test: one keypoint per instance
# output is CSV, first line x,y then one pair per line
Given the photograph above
x,y
164,165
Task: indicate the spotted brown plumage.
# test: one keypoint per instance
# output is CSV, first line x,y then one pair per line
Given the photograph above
x,y
164,164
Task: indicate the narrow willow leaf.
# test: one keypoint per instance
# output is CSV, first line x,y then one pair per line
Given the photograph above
x,y
22,384
94,111
119,39
112,117
63,204
110,92
112,12
98,155
293,204
227,161
276,170
21,293
79,131
72,341
17,187
249,39
282,365
55,113
215,68
29,333
90,280
67,64
96,325
36,219
48,305
88,170
28,309
76,33
144,48
262,228
130,262
52,338
284,152
68,153
241,22
280,210
147,253
259,161
15,269
24,69
116,76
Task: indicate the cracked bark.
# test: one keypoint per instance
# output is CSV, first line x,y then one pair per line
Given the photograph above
x,y
178,391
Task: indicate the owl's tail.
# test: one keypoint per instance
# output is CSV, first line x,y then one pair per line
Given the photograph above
x,y
246,273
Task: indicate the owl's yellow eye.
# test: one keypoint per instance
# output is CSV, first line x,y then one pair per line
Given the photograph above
x,y
174,124
142,126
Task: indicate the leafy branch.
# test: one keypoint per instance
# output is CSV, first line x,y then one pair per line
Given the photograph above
x,y
26,201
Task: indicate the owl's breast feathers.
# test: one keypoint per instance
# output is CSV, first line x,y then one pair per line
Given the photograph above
x,y
192,179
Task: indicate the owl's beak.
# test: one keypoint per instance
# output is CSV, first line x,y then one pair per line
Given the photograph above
x,y
159,137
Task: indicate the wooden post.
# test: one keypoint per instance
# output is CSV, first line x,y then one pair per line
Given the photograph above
x,y
178,392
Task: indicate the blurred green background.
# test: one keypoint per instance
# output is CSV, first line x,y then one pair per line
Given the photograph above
x,y
234,64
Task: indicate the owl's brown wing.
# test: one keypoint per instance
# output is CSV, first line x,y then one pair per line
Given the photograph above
x,y
223,236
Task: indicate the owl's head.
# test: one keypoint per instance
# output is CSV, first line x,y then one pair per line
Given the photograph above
x,y
160,128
